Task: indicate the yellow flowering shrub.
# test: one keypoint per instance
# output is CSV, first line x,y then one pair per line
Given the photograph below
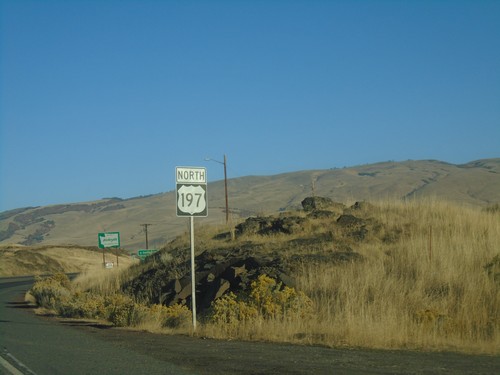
x,y
123,311
50,292
84,305
229,310
177,316
267,299
274,301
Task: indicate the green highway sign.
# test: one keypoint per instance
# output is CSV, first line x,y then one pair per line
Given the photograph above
x,y
108,239
145,253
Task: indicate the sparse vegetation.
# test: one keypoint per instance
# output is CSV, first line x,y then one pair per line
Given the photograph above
x,y
427,289
17,260
57,295
493,208
392,274
51,292
474,184
267,303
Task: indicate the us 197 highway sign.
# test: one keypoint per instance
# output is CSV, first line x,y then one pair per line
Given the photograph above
x,y
191,183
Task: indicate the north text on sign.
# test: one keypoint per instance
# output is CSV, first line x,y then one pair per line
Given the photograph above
x,y
191,175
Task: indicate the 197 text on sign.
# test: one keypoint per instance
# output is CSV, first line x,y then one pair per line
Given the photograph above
x,y
191,183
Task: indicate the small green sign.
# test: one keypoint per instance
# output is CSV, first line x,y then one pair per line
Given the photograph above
x,y
146,253
108,239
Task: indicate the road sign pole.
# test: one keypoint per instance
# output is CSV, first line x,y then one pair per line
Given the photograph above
x,y
193,275
191,186
109,240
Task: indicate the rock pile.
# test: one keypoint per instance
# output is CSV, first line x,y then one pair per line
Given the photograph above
x,y
214,278
321,204
219,271
270,225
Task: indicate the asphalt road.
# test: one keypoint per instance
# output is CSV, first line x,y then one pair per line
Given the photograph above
x,y
42,346
48,348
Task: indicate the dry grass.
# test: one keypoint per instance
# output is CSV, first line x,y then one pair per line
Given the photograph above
x,y
427,288
102,281
426,291
476,185
82,299
16,260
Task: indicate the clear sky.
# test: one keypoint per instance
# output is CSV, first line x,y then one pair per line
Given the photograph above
x,y
105,98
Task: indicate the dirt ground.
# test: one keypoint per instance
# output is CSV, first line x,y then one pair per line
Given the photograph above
x,y
208,356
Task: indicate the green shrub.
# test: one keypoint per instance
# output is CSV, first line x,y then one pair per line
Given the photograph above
x,y
62,279
50,292
119,309
122,311
177,316
84,305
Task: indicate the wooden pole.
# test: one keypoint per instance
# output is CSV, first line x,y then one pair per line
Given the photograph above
x,y
225,188
146,233
430,243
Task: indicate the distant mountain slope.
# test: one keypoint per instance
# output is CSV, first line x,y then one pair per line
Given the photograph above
x,y
20,260
476,183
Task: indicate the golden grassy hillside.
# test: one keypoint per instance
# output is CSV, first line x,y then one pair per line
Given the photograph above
x,y
426,276
16,260
473,184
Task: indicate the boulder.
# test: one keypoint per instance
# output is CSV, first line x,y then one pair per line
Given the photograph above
x,y
350,221
270,225
322,204
254,225
353,226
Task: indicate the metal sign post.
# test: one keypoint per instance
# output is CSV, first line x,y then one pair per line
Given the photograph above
x,y
193,274
108,240
191,183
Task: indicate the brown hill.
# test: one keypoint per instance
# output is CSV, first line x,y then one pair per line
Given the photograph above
x,y
476,183
18,260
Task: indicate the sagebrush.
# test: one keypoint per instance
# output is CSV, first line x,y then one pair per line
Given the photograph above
x,y
427,278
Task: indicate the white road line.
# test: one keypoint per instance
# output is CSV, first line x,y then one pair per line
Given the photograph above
x,y
11,369
21,369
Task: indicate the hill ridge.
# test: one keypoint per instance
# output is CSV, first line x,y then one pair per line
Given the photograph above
x,y
476,183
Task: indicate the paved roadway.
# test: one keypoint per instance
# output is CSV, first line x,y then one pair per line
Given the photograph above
x,y
41,346
48,348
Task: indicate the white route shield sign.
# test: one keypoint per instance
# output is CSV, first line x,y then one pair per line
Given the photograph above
x,y
192,200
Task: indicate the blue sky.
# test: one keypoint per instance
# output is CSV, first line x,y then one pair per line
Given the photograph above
x,y
105,98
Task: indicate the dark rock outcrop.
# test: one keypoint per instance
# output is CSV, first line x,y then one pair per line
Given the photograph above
x,y
270,225
214,278
321,203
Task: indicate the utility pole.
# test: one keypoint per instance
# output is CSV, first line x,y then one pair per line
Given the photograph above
x,y
146,232
225,188
225,182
